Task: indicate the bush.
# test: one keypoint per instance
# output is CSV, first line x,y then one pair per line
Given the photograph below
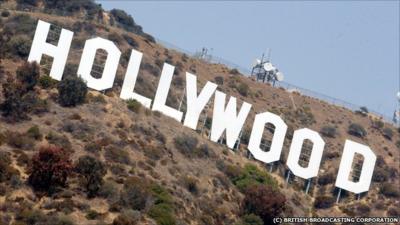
x,y
250,219
6,170
34,133
49,169
377,124
19,46
243,89
249,176
390,190
47,82
380,175
263,201
163,210
131,41
133,105
326,179
219,80
128,217
18,98
115,37
190,183
5,13
324,202
357,130
186,144
126,21
93,171
162,214
72,91
387,133
135,193
234,71
17,140
117,155
13,107
329,131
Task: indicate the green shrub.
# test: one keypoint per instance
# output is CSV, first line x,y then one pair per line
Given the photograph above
x,y
329,131
387,133
357,130
250,219
250,175
133,105
92,215
58,140
162,214
72,91
47,82
324,202
19,46
163,209
34,133
93,171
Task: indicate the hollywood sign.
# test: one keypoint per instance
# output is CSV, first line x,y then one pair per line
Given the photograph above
x,y
225,116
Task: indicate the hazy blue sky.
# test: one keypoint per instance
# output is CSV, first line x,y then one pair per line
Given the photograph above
x,y
348,50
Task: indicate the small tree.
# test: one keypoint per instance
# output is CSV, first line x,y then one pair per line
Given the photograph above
x,y
28,74
72,91
13,105
49,168
93,171
263,201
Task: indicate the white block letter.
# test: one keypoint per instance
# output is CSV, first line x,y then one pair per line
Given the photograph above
x,y
316,153
162,92
59,52
342,180
110,68
130,80
195,104
277,141
226,119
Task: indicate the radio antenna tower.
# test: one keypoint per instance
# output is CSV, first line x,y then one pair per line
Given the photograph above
x,y
264,71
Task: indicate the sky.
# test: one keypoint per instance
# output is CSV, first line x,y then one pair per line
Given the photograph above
x,y
344,49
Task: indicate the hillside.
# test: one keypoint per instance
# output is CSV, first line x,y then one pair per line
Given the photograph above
x,y
157,171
